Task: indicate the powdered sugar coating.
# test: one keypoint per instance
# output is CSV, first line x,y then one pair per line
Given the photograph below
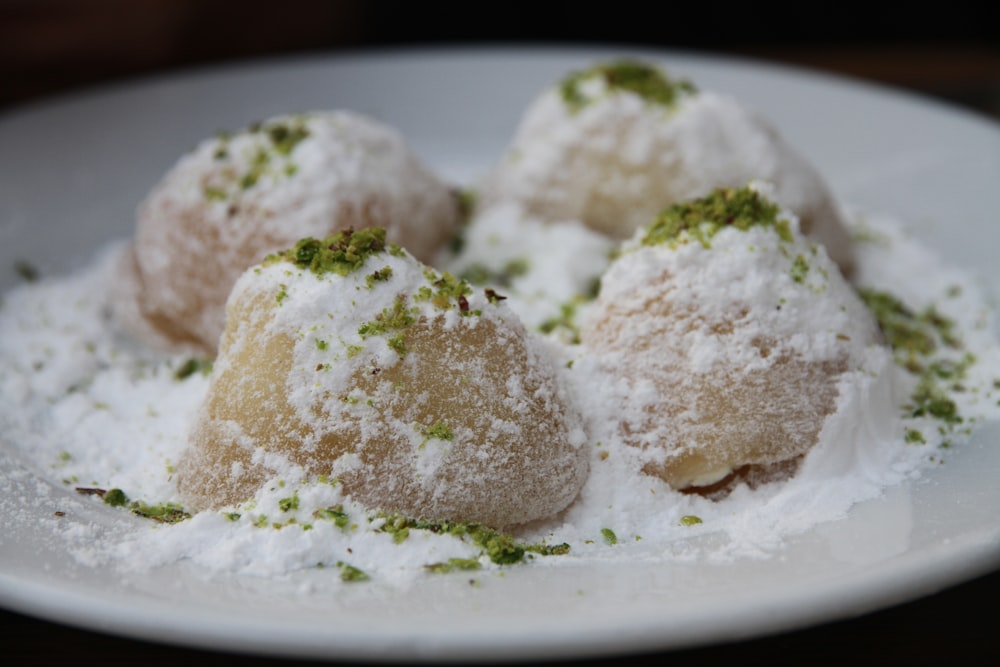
x,y
414,401
730,355
234,199
617,161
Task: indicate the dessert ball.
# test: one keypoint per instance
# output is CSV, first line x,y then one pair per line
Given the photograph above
x,y
348,358
728,333
238,197
616,144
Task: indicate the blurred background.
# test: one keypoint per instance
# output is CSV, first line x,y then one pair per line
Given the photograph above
x,y
47,46
953,54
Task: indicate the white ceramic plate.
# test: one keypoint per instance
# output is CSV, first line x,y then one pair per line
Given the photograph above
x,y
72,171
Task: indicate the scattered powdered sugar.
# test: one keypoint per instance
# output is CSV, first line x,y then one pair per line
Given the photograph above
x,y
84,406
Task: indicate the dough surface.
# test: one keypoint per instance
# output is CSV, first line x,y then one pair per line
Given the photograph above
x,y
238,197
614,145
416,394
729,333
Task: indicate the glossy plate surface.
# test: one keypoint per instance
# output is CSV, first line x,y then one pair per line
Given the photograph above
x,y
72,171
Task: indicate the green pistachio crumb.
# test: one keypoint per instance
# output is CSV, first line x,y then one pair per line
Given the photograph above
x,y
924,344
931,400
906,332
214,193
609,536
341,253
800,268
690,520
382,275
115,498
192,366
628,76
500,548
701,219
453,564
444,290
393,320
163,513
548,549
285,137
289,504
439,431
398,344
258,167
336,514
350,573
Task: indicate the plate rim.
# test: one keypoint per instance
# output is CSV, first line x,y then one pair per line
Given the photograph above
x,y
24,597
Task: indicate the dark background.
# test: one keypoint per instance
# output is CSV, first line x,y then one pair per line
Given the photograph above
x,y
952,53
950,50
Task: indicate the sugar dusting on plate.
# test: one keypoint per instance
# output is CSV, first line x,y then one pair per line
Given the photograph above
x,y
85,407
88,409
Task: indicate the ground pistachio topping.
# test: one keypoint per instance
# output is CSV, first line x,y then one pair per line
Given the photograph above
x,y
923,343
395,321
342,253
192,366
336,514
350,573
379,276
500,548
272,157
115,498
162,512
701,219
630,76
438,431
289,504
443,290
286,136
452,564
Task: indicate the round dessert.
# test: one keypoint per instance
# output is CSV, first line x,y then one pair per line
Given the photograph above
x,y
614,145
728,334
238,197
348,359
